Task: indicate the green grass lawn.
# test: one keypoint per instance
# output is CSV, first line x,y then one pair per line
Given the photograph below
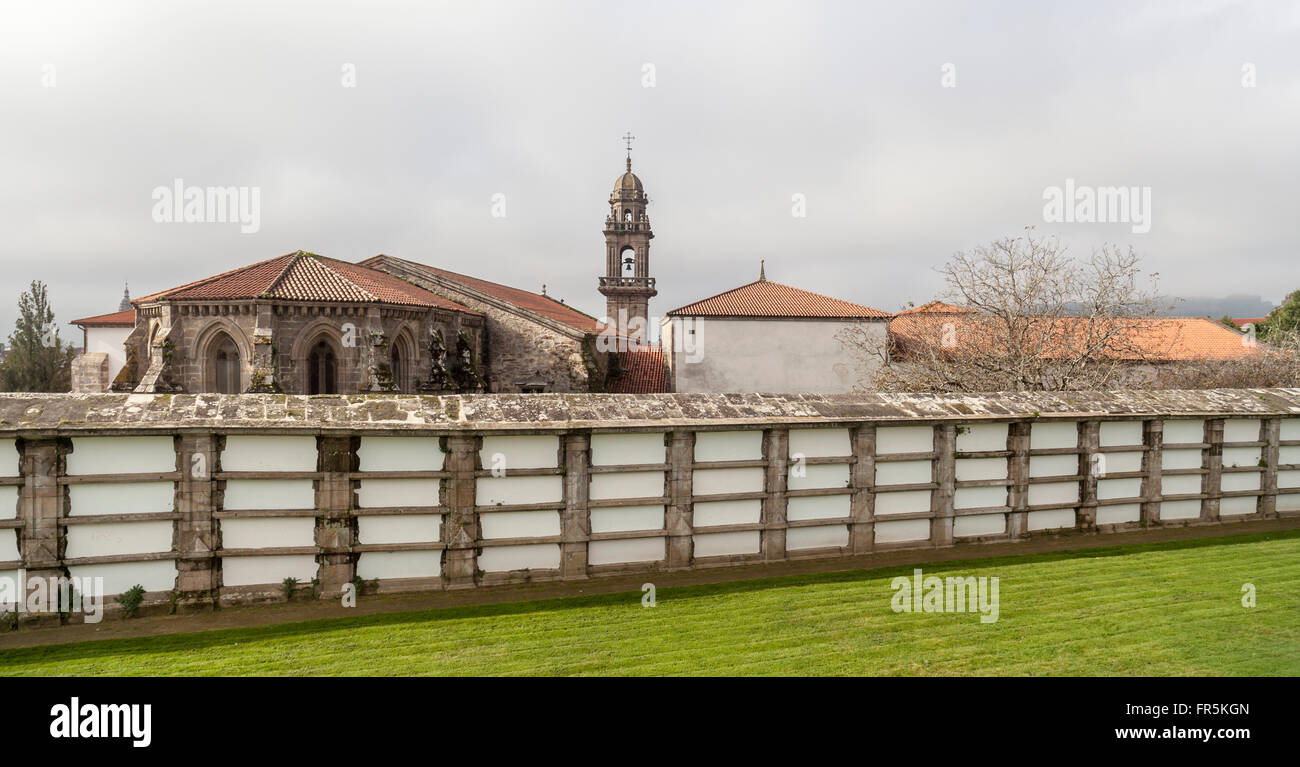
x,y
1162,609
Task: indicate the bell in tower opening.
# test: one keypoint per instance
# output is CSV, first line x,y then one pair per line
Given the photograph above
x,y
627,284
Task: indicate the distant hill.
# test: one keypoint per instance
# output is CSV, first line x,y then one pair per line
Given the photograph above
x,y
1209,306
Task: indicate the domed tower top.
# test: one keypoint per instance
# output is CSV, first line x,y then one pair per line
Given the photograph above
x,y
628,182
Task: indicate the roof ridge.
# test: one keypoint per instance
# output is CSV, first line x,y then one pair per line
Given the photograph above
x,y
294,258
355,285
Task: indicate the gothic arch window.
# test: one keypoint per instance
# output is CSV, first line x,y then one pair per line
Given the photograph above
x,y
399,367
322,369
225,365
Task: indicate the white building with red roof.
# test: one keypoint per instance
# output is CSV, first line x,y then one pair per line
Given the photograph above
x,y
768,337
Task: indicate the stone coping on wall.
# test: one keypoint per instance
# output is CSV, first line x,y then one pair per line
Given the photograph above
x,y
71,414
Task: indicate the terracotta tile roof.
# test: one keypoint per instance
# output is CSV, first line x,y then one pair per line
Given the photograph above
x,y
1154,339
934,307
305,277
1244,321
534,302
116,319
643,370
772,299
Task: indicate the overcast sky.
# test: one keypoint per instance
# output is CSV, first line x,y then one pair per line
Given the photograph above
x,y
752,103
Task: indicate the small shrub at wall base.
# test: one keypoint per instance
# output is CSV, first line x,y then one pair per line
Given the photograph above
x,y
130,600
289,585
173,599
9,621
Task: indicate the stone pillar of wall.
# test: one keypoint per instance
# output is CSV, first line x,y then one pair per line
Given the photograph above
x,y
1270,432
575,520
460,526
679,517
90,373
776,451
862,475
336,525
41,507
1018,475
1212,480
1089,443
1153,435
196,535
945,479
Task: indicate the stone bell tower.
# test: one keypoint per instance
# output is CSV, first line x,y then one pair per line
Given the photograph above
x,y
627,284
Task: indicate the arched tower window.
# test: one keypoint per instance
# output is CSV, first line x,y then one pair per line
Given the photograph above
x,y
628,257
627,215
225,366
322,369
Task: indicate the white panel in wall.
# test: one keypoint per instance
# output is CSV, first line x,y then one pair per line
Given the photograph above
x,y
1054,492
1120,433
978,497
630,484
906,502
903,472
534,556
8,502
904,439
981,468
1051,519
521,452
511,490
903,530
717,481
1288,455
1053,436
1119,488
1180,484
1288,502
122,576
121,498
1288,479
9,546
728,446
1184,432
386,565
269,494
820,443
387,493
820,537
1053,465
400,454
10,588
268,453
403,528
520,524
1239,480
719,544
979,524
267,532
118,538
254,571
629,550
818,507
618,519
1241,456
1180,459
1247,504
1290,429
1241,430
1117,463
1180,509
715,513
9,458
121,455
628,449
818,475
982,436
1114,515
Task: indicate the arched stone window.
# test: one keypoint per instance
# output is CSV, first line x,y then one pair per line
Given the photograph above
x,y
225,365
322,369
629,262
399,368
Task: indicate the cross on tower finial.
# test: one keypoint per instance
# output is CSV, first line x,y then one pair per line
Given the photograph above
x,y
629,138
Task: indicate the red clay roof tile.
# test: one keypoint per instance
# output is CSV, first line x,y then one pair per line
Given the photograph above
x,y
772,299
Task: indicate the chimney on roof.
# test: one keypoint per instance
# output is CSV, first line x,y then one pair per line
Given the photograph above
x,y
125,305
762,270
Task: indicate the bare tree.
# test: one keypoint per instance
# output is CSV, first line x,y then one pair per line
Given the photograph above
x,y
1022,315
